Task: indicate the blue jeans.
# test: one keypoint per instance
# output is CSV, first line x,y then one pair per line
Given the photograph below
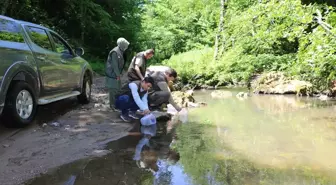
x,y
144,141
126,103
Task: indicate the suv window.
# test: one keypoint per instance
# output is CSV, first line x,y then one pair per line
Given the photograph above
x,y
61,47
10,31
40,37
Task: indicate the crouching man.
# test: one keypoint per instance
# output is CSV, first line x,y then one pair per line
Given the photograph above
x,y
132,97
160,93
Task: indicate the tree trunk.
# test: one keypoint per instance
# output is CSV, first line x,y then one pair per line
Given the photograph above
x,y
4,7
82,20
220,28
222,47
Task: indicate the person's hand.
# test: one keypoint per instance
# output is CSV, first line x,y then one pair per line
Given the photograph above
x,y
147,111
118,77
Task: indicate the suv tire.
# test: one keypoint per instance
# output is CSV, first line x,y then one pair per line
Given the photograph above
x,y
85,96
20,107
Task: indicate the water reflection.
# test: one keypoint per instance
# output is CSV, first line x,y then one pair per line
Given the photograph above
x,y
259,140
262,140
163,160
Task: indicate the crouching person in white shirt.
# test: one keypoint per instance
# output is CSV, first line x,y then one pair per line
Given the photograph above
x,y
132,97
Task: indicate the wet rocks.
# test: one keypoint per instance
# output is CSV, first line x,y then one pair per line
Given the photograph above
x,y
242,95
324,98
183,98
55,124
278,83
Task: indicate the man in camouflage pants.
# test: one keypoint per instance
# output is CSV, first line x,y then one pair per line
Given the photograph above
x,y
113,69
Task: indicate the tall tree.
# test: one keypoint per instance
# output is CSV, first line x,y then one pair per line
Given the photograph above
x,y
4,7
220,28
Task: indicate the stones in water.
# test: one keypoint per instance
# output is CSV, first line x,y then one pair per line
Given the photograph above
x,y
242,95
183,98
324,98
278,83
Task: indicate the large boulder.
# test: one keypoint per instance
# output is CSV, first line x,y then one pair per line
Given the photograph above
x,y
278,83
152,69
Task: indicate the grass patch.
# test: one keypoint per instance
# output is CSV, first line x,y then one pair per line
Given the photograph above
x,y
97,65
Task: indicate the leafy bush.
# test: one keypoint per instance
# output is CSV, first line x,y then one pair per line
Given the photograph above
x,y
192,65
316,57
268,36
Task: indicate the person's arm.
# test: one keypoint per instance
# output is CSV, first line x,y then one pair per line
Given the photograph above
x,y
145,100
138,64
136,97
164,87
114,64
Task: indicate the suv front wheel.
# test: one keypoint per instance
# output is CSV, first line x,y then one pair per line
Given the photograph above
x,y
20,106
85,95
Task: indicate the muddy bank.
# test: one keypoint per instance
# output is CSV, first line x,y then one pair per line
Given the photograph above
x,y
63,132
118,166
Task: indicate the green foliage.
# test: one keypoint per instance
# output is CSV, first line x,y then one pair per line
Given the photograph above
x,y
94,25
192,65
269,36
13,37
41,40
98,67
174,26
316,57
258,35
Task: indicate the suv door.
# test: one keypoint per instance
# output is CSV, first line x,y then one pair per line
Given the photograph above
x,y
47,62
71,66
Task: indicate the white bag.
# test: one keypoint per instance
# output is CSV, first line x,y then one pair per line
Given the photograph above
x,y
182,115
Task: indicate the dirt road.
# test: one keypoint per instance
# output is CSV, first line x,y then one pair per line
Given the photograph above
x,y
63,132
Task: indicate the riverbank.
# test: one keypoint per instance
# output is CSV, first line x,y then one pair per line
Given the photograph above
x,y
266,83
80,133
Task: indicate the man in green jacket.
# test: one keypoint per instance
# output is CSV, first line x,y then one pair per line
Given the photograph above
x,y
113,69
137,68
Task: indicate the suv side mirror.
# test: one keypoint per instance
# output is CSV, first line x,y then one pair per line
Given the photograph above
x,y
80,51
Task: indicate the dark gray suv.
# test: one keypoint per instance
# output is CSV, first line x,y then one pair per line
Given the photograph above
x,y
37,67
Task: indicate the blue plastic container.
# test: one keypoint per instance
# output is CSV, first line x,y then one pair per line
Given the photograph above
x,y
148,120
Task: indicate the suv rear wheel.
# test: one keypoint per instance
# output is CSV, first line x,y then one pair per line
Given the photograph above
x,y
20,106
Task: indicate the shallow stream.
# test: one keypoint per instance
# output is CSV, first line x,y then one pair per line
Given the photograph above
x,y
264,139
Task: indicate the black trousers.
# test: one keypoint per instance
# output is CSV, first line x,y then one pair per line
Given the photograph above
x,y
158,98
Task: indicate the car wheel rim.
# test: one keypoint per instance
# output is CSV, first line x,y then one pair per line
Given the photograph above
x,y
88,90
24,104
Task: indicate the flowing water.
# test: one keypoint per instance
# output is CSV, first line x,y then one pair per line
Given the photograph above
x,y
258,140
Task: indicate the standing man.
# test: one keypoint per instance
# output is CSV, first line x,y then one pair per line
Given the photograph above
x,y
113,69
133,96
137,68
